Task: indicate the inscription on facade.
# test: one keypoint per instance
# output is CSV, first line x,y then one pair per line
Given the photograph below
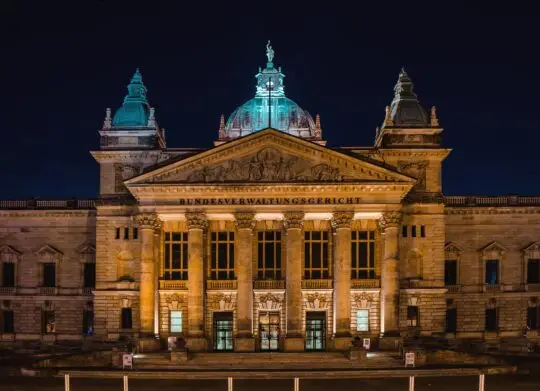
x,y
271,201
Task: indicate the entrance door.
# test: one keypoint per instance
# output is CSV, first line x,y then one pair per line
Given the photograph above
x,y
223,331
315,330
269,331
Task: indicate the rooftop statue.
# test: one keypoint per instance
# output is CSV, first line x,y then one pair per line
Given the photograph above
x,y
269,52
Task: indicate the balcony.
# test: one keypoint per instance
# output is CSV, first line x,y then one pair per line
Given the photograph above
x,y
421,284
7,290
221,284
316,284
491,288
453,288
372,283
269,284
173,284
48,290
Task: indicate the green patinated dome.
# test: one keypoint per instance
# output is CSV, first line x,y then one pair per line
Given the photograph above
x,y
135,109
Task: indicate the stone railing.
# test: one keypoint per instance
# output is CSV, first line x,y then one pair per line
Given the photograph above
x,y
173,284
492,288
420,284
269,284
491,201
316,284
365,283
221,284
7,290
48,291
47,204
453,288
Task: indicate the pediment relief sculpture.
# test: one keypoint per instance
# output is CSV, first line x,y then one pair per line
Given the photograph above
x,y
532,251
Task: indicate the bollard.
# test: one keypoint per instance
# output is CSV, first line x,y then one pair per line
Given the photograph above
x,y
481,382
66,382
296,384
229,384
125,383
411,383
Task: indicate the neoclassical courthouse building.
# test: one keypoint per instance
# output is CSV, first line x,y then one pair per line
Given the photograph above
x,y
270,239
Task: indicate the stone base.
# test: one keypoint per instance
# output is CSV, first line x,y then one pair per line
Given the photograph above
x,y
148,344
197,344
342,343
357,354
294,344
244,344
390,342
179,355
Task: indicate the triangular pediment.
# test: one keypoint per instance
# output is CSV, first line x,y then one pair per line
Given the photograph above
x,y
451,247
273,157
532,250
48,253
9,254
494,250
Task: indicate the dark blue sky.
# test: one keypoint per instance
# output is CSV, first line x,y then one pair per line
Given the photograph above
x,y
63,63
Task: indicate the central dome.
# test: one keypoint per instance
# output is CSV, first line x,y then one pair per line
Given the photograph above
x,y
270,108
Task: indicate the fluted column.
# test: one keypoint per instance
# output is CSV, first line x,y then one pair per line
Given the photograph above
x,y
341,222
148,223
293,224
244,265
196,223
389,224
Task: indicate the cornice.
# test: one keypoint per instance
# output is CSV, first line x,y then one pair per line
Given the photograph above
x,y
46,213
148,156
418,152
502,210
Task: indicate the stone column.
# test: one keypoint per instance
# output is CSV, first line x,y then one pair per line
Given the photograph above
x,y
244,342
294,340
341,222
148,223
196,223
389,224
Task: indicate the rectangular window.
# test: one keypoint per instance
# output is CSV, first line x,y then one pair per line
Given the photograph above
x,y
413,231
533,271
7,322
362,254
491,319
49,275
222,256
533,318
48,322
135,233
404,231
126,319
8,274
117,233
423,231
362,320
450,272
451,320
126,233
88,322
89,275
176,321
316,255
175,256
492,272
413,318
269,255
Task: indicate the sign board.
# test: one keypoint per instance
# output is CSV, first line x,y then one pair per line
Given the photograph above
x,y
366,343
171,343
127,361
409,359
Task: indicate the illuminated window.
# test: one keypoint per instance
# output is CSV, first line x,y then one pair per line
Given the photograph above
x,y
316,255
176,321
269,255
222,256
363,254
413,316
175,258
362,320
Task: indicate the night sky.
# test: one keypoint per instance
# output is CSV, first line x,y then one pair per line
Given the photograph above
x,y
63,63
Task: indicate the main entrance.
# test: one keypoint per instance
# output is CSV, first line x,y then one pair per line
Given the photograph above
x,y
223,331
269,331
315,330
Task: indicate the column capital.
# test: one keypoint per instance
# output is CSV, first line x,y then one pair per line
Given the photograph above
x,y
342,219
293,220
148,220
390,219
245,220
196,220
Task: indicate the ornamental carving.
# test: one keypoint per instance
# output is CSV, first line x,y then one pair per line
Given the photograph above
x,y
174,302
293,220
196,220
362,300
416,170
317,301
267,165
245,220
532,251
270,301
123,172
342,219
390,219
148,221
221,302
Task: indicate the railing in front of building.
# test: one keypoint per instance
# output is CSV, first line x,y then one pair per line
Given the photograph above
x,y
421,284
491,201
365,283
8,290
269,284
173,284
316,284
221,284
48,204
453,288
48,291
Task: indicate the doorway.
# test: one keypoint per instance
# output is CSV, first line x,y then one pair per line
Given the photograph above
x,y
269,331
223,331
315,330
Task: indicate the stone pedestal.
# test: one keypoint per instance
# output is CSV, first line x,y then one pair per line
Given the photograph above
x,y
293,224
357,354
244,344
197,344
148,344
294,344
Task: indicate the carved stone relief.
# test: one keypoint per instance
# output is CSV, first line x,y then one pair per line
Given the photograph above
x,y
270,301
221,302
317,301
123,172
416,170
362,300
174,302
